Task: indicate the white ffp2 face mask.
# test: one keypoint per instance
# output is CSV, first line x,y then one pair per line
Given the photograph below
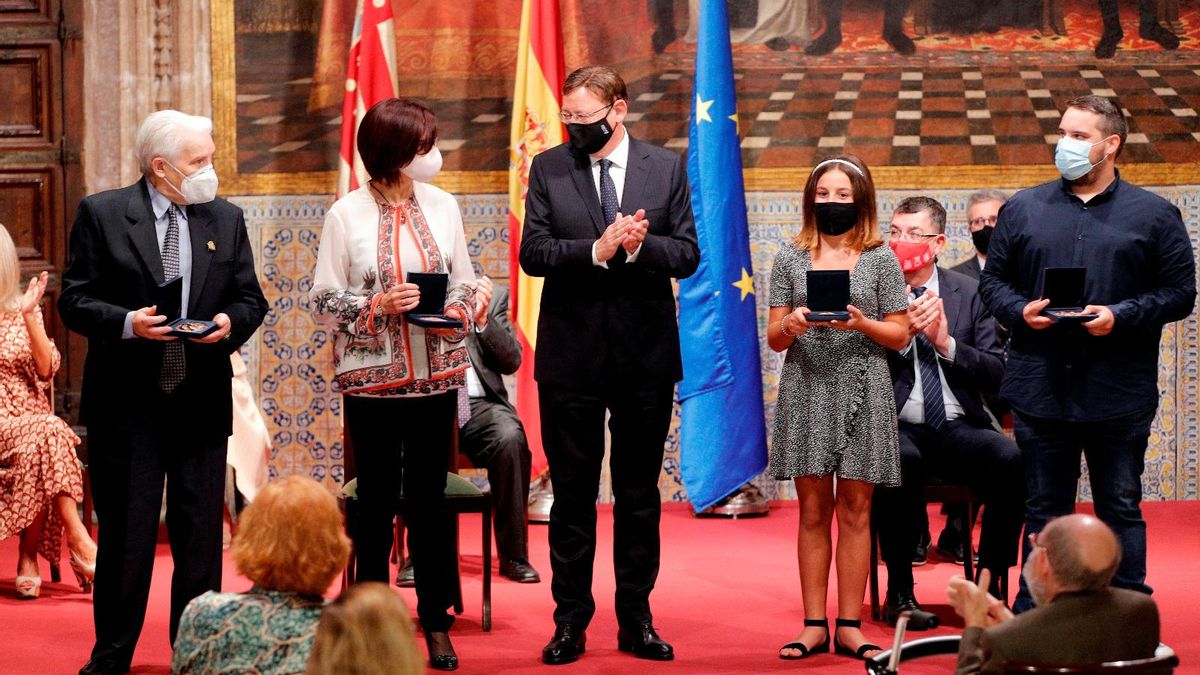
x,y
424,168
198,188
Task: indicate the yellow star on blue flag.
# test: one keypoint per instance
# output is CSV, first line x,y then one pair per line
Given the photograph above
x,y
745,284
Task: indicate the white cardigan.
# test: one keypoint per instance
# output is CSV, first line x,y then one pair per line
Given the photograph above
x,y
367,246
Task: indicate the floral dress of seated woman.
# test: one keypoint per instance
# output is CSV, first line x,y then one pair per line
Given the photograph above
x,y
37,448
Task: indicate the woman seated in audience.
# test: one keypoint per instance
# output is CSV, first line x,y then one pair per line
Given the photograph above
x,y
40,480
366,631
291,545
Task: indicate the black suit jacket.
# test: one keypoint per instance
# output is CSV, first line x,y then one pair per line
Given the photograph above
x,y
114,267
618,323
978,356
968,267
495,351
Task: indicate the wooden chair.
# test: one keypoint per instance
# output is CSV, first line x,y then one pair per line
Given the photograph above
x,y
936,492
462,496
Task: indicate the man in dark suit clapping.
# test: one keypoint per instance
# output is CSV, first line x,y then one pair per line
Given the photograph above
x,y
939,381
607,339
157,407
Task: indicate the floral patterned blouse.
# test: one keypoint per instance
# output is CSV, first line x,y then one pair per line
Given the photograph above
x,y
258,632
368,246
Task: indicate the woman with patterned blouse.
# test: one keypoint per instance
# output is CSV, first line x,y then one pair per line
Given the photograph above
x,y
399,380
836,413
40,480
291,545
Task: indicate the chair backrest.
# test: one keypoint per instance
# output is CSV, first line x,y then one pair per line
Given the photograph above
x,y
1163,662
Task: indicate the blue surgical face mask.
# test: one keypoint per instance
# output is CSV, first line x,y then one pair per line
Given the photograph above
x,y
1072,157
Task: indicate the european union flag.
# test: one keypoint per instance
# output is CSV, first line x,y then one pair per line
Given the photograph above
x,y
723,436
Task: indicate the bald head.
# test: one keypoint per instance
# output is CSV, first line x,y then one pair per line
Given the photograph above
x,y
1083,551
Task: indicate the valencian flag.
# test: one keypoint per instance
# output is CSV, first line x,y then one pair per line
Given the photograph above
x,y
537,101
723,439
370,78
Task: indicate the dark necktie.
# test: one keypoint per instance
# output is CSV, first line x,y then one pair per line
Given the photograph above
x,y
931,379
608,203
173,364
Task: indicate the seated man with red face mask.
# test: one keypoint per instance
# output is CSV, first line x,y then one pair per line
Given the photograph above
x,y
940,379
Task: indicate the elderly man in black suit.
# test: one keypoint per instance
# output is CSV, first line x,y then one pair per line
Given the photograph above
x,y
158,407
607,339
982,209
939,380
1079,619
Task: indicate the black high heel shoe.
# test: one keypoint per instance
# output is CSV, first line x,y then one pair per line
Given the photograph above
x,y
846,651
805,650
443,658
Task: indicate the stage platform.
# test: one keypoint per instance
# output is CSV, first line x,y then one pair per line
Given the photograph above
x,y
727,597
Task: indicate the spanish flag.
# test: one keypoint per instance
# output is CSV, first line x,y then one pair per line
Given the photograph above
x,y
537,101
370,78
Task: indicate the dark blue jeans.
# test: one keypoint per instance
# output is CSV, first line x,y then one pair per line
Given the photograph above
x,y
1115,450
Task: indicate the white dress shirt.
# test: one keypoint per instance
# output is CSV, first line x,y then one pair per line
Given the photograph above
x,y
913,411
620,162
160,204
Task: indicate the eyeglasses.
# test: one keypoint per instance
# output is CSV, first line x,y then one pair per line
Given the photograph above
x,y
910,236
569,118
982,221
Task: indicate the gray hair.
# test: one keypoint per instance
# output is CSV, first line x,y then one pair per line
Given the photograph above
x,y
986,196
1068,559
161,134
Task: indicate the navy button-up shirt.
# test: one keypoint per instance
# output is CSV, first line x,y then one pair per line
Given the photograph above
x,y
1139,263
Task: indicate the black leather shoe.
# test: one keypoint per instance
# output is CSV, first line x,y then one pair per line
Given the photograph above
x,y
921,552
519,571
441,652
641,639
405,578
102,667
898,603
566,646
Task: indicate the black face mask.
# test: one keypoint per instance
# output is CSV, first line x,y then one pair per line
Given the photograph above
x,y
834,218
590,138
982,238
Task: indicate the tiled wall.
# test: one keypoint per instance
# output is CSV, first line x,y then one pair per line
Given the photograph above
x,y
290,357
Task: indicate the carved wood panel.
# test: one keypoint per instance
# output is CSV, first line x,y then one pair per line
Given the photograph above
x,y
26,208
26,79
26,10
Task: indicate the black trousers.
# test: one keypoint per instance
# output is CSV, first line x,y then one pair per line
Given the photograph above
x,y
128,469
494,439
893,15
573,433
983,458
404,444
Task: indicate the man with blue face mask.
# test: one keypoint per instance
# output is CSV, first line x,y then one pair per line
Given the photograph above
x,y
158,408
1088,387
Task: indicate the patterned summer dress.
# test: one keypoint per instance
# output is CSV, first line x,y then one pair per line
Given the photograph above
x,y
37,448
259,631
836,412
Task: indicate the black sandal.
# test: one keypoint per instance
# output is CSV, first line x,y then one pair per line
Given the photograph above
x,y
805,650
859,653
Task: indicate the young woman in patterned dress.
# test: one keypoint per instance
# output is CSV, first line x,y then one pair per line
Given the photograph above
x,y
836,413
40,480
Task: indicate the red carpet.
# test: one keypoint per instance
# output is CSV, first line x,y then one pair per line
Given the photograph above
x,y
727,597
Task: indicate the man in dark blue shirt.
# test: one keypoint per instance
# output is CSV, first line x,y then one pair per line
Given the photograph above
x,y
1090,386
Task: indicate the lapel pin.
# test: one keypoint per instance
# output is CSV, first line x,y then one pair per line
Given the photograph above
x,y
212,246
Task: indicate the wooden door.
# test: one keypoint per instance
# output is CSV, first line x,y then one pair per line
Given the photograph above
x,y
41,126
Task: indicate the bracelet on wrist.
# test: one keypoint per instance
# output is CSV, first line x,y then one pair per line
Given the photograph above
x,y
783,327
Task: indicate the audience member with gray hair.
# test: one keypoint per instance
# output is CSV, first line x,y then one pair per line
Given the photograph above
x,y
1079,619
983,208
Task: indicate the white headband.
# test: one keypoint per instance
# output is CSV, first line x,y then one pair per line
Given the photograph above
x,y
840,161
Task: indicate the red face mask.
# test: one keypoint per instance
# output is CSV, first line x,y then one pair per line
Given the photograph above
x,y
913,255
